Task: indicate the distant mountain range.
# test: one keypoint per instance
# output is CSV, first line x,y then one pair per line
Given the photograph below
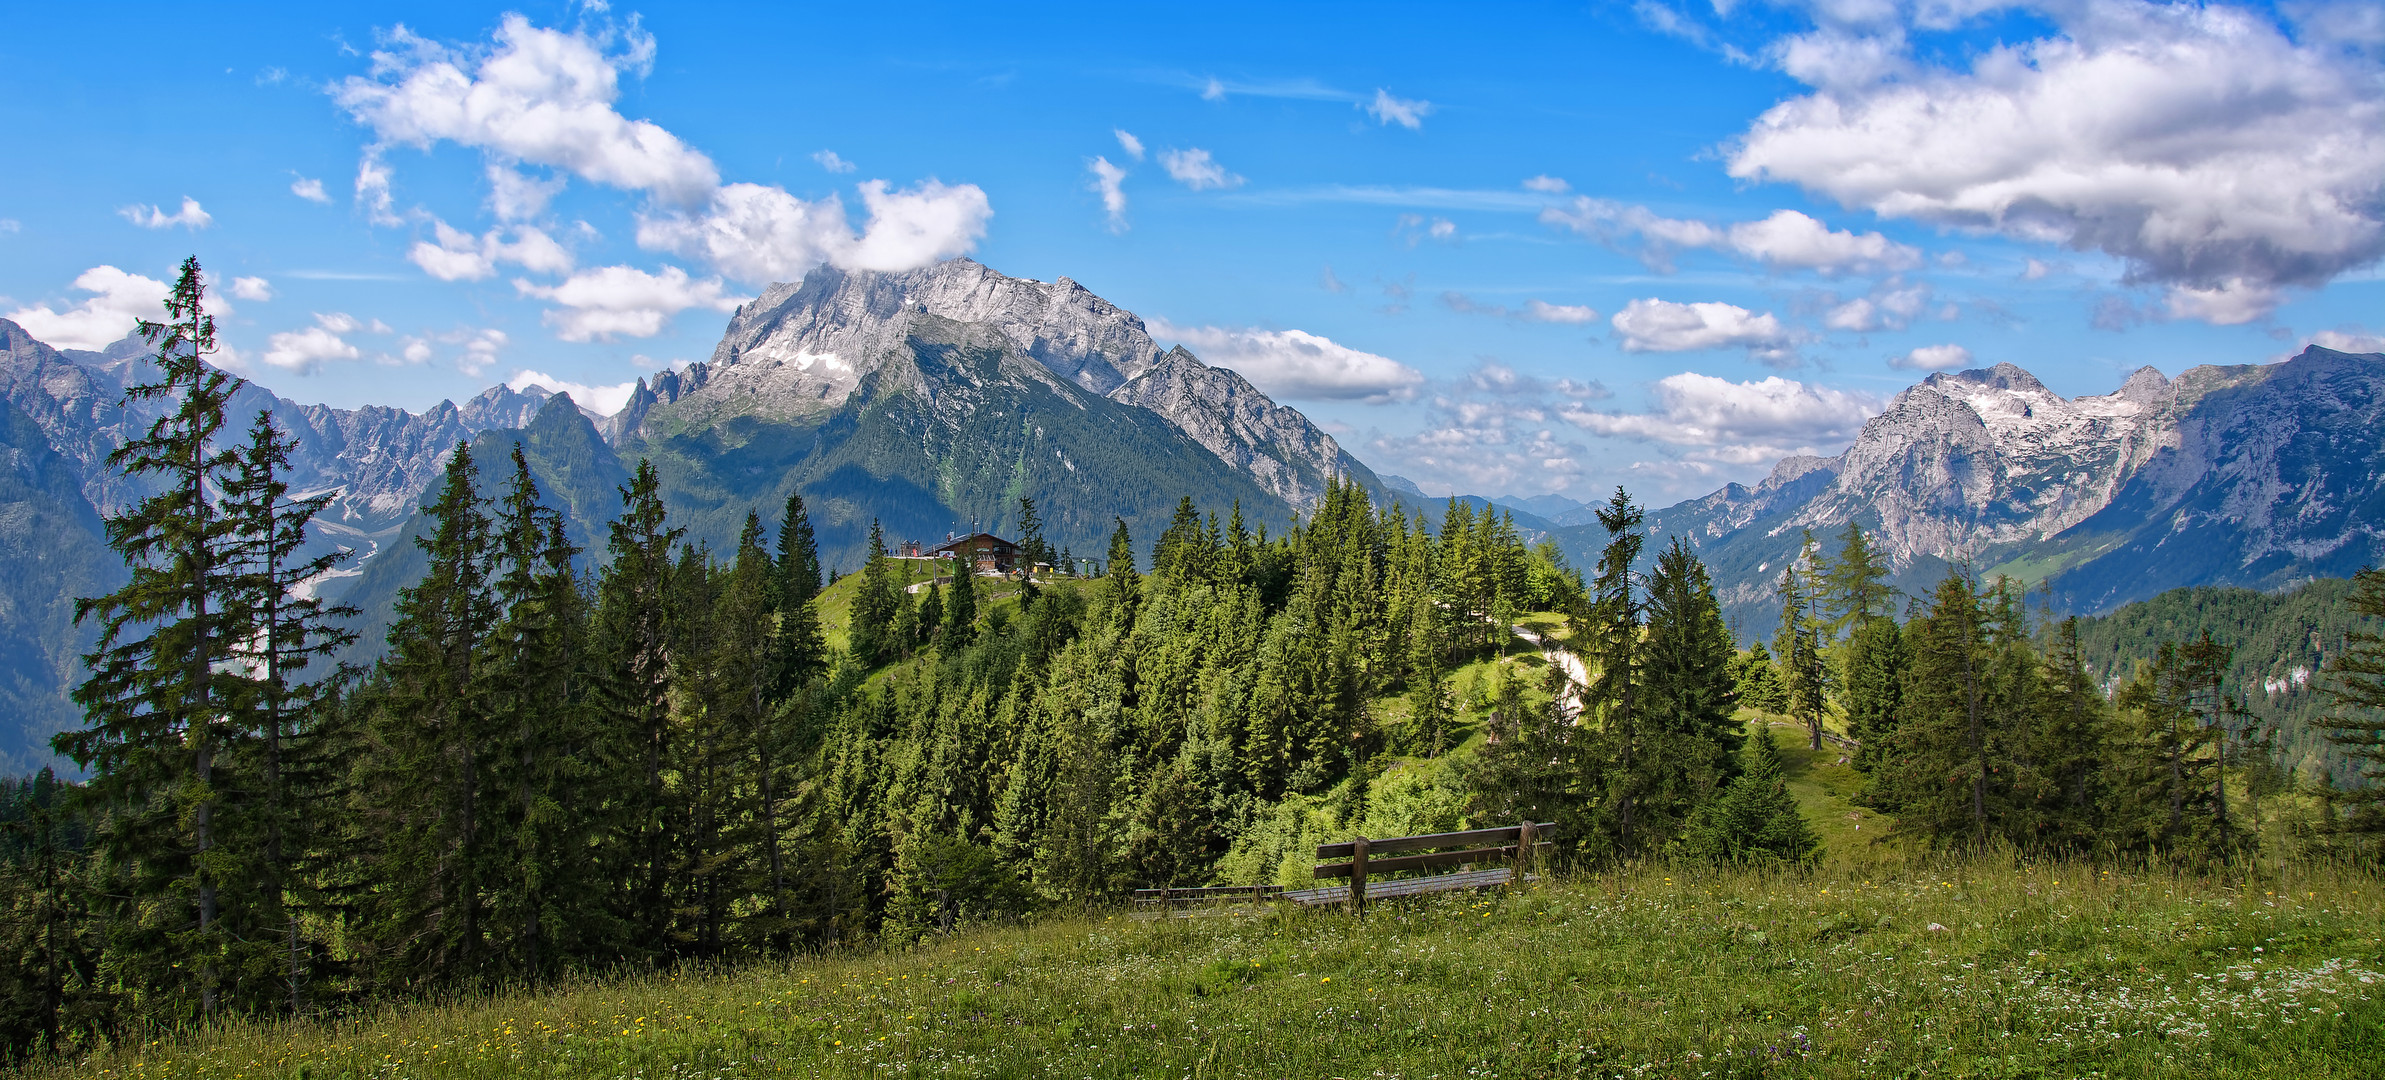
x,y
2260,476
932,400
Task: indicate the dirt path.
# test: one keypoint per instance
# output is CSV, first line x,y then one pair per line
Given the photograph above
x,y
1577,675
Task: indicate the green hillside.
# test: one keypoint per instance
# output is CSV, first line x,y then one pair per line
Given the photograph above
x,y
1997,970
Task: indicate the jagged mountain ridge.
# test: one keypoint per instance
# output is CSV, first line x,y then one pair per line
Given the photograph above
x,y
800,349
2252,475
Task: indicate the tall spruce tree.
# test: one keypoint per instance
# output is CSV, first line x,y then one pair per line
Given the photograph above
x,y
1804,669
632,642
1948,755
1755,820
1691,695
289,630
1628,756
802,648
426,772
876,605
165,684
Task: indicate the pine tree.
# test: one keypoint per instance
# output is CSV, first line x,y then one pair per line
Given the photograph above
x,y
1630,760
1758,680
1856,585
289,629
164,674
1755,820
2357,684
1805,671
426,773
634,683
1691,695
1873,677
1949,757
2070,742
875,607
802,648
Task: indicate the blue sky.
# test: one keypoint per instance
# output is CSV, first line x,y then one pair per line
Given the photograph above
x,y
1503,249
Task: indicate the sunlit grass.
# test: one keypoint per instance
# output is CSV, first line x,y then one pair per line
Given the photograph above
x,y
2010,969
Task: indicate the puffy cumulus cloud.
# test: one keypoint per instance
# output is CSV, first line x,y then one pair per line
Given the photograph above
x,y
828,160
305,351
624,301
1109,182
1787,240
2350,340
479,350
1666,326
760,234
191,216
1196,169
1127,142
2217,155
119,301
1388,110
251,288
457,255
518,196
535,95
1547,185
310,190
1892,305
1933,358
1737,423
601,400
1297,364
1793,241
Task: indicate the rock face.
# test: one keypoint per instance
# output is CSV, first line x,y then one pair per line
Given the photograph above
x,y
2254,475
799,351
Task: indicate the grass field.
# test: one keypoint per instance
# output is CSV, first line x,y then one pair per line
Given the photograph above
x,y
2014,970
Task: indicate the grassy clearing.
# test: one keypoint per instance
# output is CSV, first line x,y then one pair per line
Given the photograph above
x,y
2014,970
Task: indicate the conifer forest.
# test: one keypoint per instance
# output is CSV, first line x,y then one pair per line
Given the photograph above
x,y
656,754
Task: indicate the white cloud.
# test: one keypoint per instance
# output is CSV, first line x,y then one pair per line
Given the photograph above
x,y
602,400
10,225
121,300
624,301
1543,311
310,190
2228,302
1109,181
762,234
540,96
1933,358
1665,326
1540,311
480,350
1127,142
1892,305
305,351
1213,90
1296,363
1787,240
1547,185
1738,423
1388,110
517,196
191,216
252,288
1197,170
2350,341
459,256
1791,240
372,189
2200,144
828,160
919,225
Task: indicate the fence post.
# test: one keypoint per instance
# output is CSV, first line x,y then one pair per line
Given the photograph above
x,y
1523,853
1358,876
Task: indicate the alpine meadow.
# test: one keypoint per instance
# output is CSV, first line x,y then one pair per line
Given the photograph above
x,y
1531,550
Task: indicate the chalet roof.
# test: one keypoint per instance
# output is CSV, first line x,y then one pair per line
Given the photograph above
x,y
974,542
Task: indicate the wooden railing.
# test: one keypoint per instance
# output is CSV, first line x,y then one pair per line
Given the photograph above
x,y
1519,846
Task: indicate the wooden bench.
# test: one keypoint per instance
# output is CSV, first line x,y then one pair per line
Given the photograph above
x,y
1211,900
1516,845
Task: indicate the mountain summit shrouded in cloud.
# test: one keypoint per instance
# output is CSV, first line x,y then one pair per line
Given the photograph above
x,y
1807,203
